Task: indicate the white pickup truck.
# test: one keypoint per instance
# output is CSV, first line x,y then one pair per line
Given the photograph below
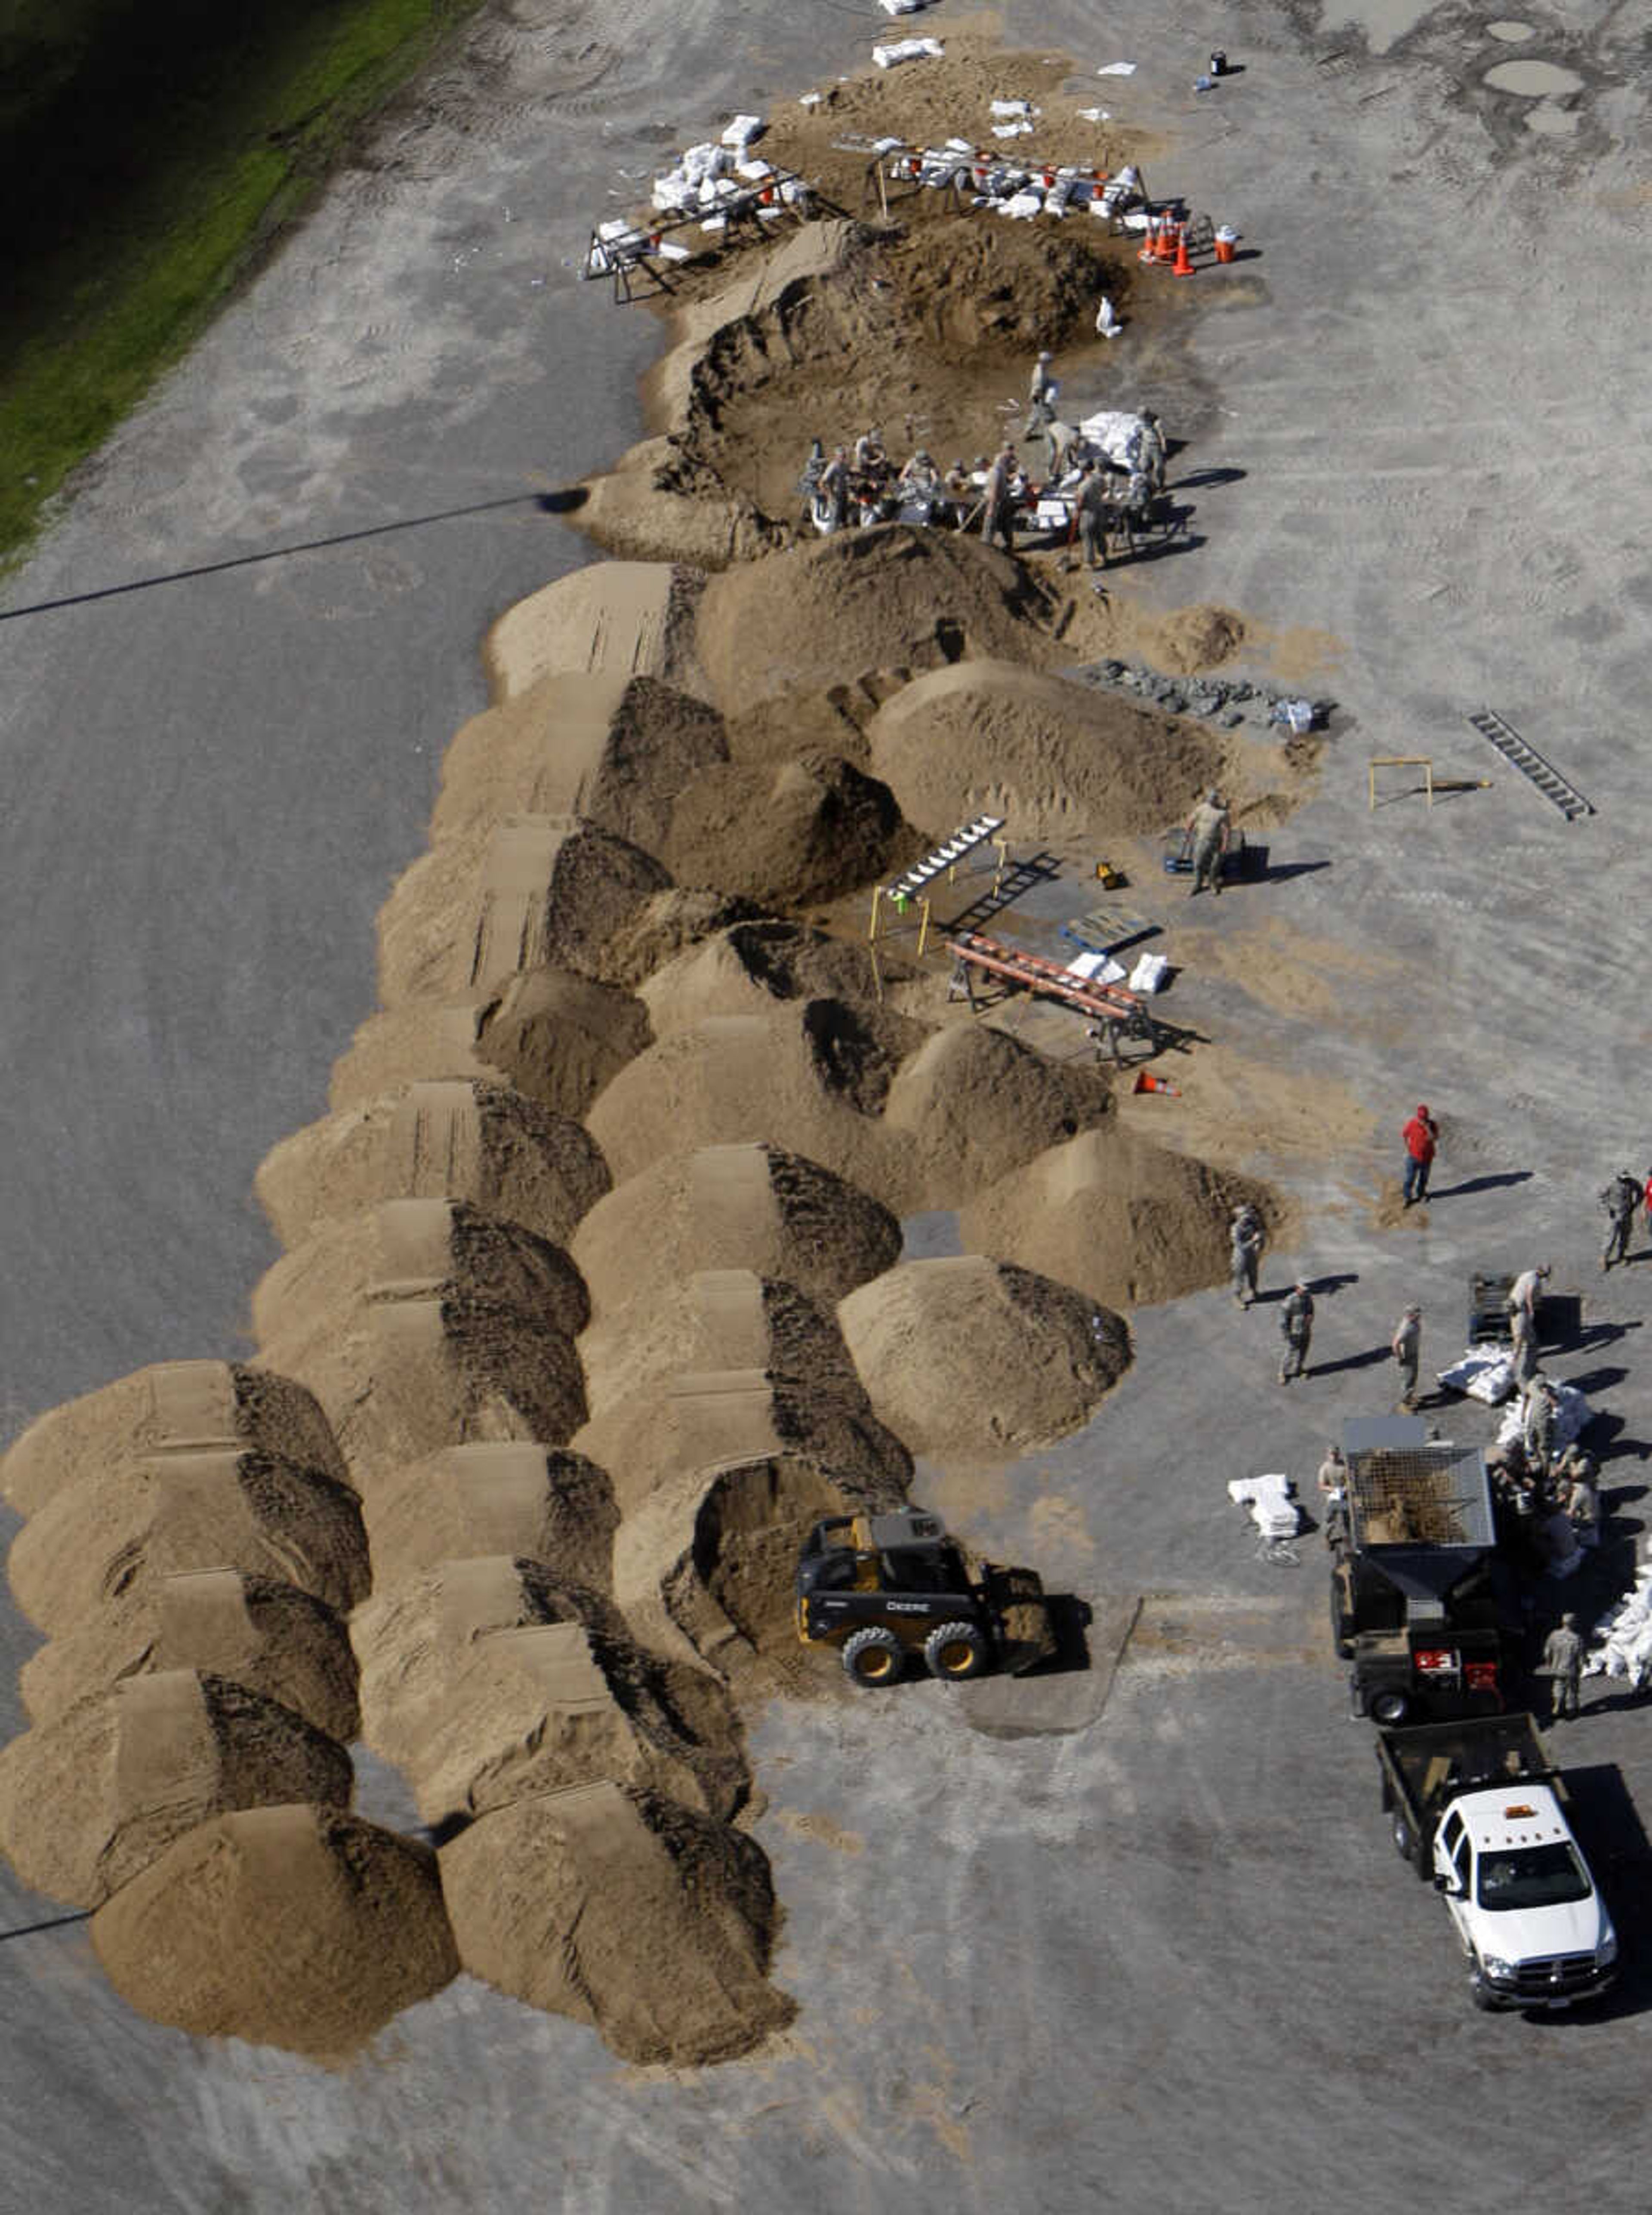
x,y
1478,1805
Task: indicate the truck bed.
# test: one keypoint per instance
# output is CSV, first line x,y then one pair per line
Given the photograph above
x,y
1423,1765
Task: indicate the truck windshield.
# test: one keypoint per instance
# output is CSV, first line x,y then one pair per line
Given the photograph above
x,y
1534,1877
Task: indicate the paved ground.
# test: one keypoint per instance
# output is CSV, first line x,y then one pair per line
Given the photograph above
x,y
1156,1951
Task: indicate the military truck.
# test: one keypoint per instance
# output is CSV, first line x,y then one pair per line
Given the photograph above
x,y
883,1588
1417,1593
1477,1806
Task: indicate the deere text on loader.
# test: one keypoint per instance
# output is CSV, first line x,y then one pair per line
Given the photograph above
x,y
880,1587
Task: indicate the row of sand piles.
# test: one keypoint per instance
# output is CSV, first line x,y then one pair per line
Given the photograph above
x,y
192,1544
591,1295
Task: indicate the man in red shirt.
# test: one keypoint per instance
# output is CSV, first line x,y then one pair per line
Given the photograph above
x,y
1421,1135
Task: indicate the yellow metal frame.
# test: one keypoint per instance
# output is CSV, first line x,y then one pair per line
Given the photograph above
x,y
1424,762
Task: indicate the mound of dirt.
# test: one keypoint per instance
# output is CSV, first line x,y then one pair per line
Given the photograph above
x,y
735,1207
513,1498
864,600
971,1104
620,618
424,1323
174,1406
1125,1221
714,1321
413,1642
625,1911
278,1642
813,828
542,1708
300,1927
559,1038
487,1143
89,1801
974,1357
667,926
414,1045
115,1532
618,752
1054,758
701,1419
743,971
810,1076
478,909
704,1568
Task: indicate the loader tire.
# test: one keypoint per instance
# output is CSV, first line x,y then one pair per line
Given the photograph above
x,y
871,1657
955,1651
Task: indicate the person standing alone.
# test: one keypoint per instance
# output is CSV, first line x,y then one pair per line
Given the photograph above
x,y
1406,1347
1422,1136
1296,1324
1620,1199
1207,828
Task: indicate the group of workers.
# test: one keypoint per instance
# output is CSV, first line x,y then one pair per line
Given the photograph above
x,y
1108,505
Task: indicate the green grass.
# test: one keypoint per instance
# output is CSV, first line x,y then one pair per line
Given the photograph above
x,y
160,153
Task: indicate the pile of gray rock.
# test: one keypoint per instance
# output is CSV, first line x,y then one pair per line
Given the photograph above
x,y
1227,701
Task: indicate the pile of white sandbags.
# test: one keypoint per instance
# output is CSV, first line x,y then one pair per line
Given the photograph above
x,y
1623,1636
907,49
1572,1412
1272,1510
1485,1373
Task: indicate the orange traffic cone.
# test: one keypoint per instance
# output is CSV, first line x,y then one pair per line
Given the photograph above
x,y
1166,248
1183,267
1149,241
1145,1082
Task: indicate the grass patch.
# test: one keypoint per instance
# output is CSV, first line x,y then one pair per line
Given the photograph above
x,y
160,151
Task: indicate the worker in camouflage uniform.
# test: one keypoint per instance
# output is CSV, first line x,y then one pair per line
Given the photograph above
x,y
1208,828
1041,395
1562,1665
1406,1347
1150,450
1523,1295
1246,1238
1296,1326
1620,1199
1538,1419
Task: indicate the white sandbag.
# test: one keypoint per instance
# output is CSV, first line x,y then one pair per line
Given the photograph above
x,y
1485,1373
1117,434
1022,205
1150,972
1095,968
1007,111
907,49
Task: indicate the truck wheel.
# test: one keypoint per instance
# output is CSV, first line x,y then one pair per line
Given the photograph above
x,y
1390,1708
955,1651
1402,1836
872,1656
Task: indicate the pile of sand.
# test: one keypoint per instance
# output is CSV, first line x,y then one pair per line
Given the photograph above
x,y
550,1706
424,1323
811,1077
559,1038
1125,1221
623,1909
705,1418
743,971
747,1207
893,597
616,751
301,1927
972,1104
488,1143
623,618
513,1498
89,1801
716,1320
111,1535
812,828
278,1642
172,1406
438,1043
414,1642
527,892
704,1568
966,1353
668,926
1055,759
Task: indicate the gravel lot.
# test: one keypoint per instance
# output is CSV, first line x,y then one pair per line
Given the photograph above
x,y
1132,1938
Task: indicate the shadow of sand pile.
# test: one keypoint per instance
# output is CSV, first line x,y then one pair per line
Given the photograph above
x,y
591,1301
